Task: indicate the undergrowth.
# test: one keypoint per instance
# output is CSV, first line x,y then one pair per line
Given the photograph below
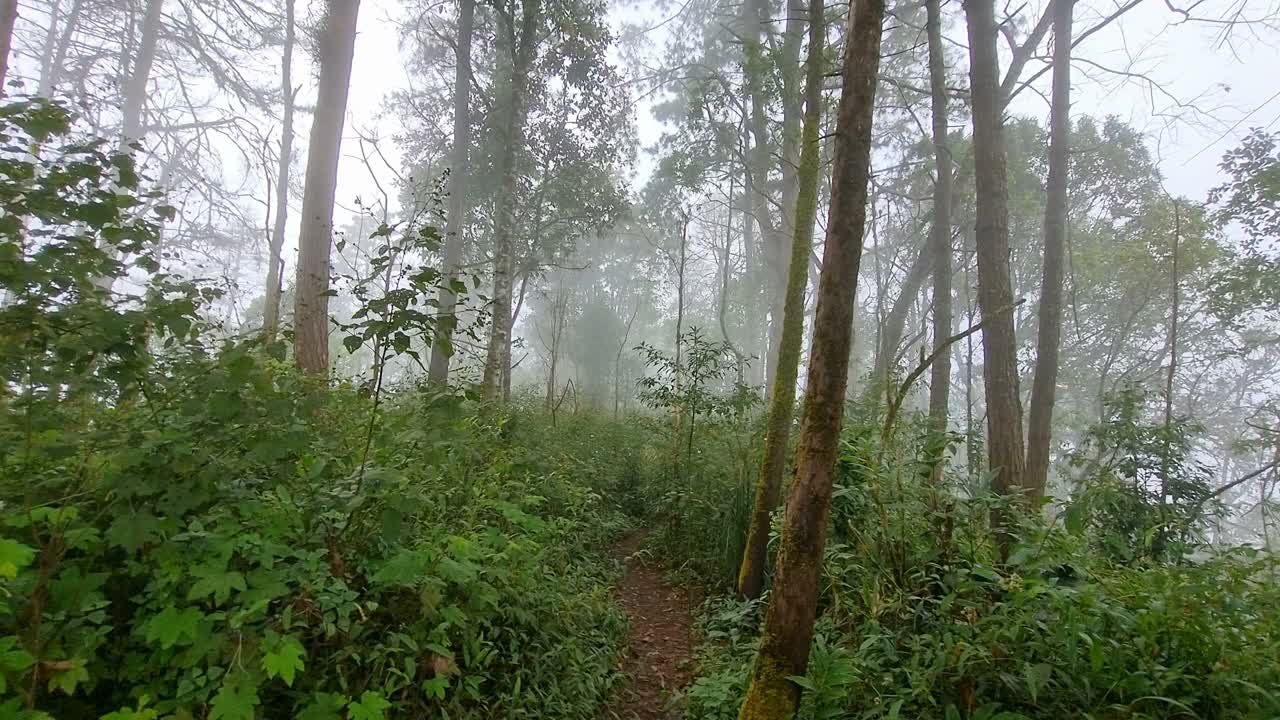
x,y
919,619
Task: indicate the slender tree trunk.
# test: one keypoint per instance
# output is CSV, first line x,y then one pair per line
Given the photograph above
x,y
617,362
441,350
783,232
1162,537
1044,386
759,162
497,365
8,17
940,236
135,92
56,45
725,273
896,322
679,350
1005,450
275,260
783,398
788,625
311,305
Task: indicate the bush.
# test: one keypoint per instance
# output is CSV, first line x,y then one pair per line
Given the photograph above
x,y
190,529
918,619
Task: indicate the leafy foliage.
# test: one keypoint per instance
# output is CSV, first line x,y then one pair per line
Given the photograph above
x,y
190,529
919,619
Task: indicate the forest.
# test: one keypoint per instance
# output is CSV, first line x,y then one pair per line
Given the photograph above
x,y
639,359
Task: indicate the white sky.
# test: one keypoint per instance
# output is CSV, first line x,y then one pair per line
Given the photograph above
x,y
1235,86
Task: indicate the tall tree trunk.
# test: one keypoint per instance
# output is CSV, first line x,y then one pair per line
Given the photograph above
x,y
1044,386
940,235
497,365
740,359
783,397
441,350
1162,537
135,92
1005,450
758,180
56,45
896,322
788,625
783,232
8,16
311,307
275,267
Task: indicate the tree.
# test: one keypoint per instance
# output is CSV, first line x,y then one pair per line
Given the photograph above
x,y
940,233
788,625
275,262
135,91
783,396
521,42
995,295
336,45
441,350
8,17
1044,387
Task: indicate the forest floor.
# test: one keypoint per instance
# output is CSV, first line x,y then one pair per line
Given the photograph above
x,y
659,659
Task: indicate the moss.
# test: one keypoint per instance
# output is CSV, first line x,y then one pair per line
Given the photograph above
x,y
782,399
771,696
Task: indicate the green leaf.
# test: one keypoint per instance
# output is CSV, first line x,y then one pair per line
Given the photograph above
x,y
67,680
370,706
324,706
1037,676
284,658
13,557
352,343
218,583
235,700
173,626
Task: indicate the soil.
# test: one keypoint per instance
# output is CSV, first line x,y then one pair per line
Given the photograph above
x,y
658,663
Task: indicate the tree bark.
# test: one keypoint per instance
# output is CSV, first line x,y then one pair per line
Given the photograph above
x,y
135,92
1044,385
783,398
940,236
493,384
441,350
311,306
8,17
275,266
1005,451
788,625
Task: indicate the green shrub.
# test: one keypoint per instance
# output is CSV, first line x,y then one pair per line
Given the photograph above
x,y
919,620
188,529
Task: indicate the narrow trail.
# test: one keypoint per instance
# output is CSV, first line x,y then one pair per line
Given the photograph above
x,y
659,658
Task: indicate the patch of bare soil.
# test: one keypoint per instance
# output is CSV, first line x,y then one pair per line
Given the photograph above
x,y
659,660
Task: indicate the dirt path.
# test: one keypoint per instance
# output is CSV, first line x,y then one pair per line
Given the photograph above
x,y
659,658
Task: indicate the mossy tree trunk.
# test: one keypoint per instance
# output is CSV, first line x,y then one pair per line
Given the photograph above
x,y
1044,386
788,625
783,396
